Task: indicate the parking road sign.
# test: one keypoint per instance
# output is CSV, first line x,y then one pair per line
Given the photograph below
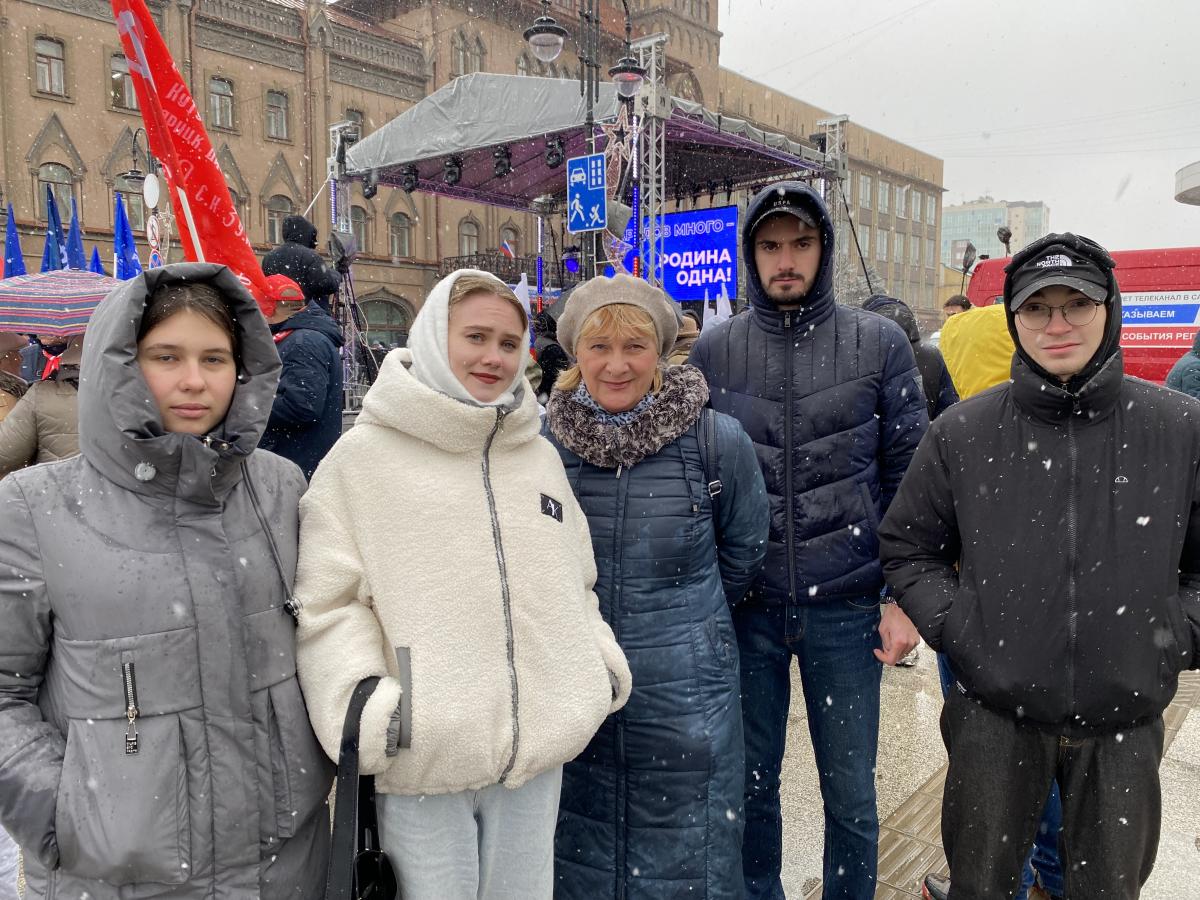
x,y
587,194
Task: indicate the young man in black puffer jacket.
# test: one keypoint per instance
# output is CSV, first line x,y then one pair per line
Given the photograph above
x,y
831,397
1047,539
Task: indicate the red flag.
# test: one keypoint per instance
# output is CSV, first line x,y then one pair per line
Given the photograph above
x,y
209,227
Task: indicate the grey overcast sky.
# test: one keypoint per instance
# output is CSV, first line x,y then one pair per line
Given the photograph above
x,y
1090,106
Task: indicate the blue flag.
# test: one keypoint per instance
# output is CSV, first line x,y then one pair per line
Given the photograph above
x,y
54,254
95,265
75,257
14,261
125,259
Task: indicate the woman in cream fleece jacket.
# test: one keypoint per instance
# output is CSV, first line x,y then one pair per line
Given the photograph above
x,y
442,548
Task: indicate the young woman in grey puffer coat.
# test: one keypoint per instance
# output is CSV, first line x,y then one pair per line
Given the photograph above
x,y
153,738
678,515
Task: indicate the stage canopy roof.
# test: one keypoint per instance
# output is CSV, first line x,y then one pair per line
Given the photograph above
x,y
473,115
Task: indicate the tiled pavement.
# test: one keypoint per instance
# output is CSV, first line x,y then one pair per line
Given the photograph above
x,y
911,771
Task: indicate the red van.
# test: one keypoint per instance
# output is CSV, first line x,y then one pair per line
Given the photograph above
x,y
1160,299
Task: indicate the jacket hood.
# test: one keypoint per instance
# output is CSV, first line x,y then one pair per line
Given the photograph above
x,y
312,318
399,400
1110,343
120,429
818,302
298,230
896,310
429,341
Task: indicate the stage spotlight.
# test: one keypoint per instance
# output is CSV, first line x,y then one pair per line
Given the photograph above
x,y
409,179
555,155
501,161
453,171
370,185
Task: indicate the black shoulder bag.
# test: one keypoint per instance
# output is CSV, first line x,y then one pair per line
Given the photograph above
x,y
358,868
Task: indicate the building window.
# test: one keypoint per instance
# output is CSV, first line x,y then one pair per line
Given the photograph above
x,y
279,208
885,194
400,236
901,201
477,55
238,204
48,61
220,102
135,206
358,227
914,250
929,253
931,209
509,235
864,191
917,200
864,241
881,245
121,89
468,238
458,55
388,322
277,115
898,248
62,185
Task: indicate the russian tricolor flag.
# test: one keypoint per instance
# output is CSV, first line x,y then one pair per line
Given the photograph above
x,y
507,249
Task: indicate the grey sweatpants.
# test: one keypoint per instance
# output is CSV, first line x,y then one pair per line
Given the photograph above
x,y
490,844
8,867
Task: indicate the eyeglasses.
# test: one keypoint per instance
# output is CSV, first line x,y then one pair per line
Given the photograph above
x,y
1078,312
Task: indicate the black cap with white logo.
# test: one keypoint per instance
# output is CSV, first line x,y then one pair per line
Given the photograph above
x,y
1058,260
787,203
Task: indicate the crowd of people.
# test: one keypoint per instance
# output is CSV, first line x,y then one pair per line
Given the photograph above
x,y
580,601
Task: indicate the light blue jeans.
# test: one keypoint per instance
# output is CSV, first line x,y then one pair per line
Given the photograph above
x,y
490,844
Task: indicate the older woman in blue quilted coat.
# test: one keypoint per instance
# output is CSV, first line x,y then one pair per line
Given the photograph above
x,y
678,516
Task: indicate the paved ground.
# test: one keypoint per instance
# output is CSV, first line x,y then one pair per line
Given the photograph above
x,y
910,773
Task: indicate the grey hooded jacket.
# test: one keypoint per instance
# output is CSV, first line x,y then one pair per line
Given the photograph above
x,y
137,577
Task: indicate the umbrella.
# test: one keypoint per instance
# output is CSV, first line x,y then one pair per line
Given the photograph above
x,y
125,259
14,261
54,253
95,265
75,257
57,302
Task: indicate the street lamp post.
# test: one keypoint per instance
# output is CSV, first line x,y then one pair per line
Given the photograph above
x,y
151,192
546,39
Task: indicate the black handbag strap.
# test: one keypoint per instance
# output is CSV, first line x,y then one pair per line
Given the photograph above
x,y
354,821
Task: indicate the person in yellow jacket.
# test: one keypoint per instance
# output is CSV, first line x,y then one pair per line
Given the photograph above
x,y
977,348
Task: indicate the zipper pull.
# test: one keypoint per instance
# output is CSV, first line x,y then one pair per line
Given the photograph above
x,y
620,466
787,319
131,708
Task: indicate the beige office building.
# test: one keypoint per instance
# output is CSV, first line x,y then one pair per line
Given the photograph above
x,y
271,76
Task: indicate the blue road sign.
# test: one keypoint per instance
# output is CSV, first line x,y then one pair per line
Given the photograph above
x,y
587,194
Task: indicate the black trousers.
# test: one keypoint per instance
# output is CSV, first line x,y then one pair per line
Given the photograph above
x,y
1000,772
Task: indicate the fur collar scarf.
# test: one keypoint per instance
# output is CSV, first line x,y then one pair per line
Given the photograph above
x,y
675,408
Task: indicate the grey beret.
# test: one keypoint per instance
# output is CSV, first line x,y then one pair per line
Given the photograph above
x,y
597,292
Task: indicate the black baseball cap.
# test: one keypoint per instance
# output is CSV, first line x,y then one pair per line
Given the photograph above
x,y
785,202
1061,262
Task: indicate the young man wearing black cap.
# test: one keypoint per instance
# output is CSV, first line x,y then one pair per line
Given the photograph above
x,y
831,397
1047,539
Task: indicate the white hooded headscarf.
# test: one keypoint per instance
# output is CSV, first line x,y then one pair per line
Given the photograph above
x,y
429,343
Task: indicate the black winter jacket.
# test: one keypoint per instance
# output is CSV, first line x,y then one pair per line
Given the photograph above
x,y
306,417
1074,523
297,259
830,397
936,383
1185,374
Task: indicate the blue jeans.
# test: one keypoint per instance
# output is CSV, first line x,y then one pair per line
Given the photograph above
x,y
1042,863
833,644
